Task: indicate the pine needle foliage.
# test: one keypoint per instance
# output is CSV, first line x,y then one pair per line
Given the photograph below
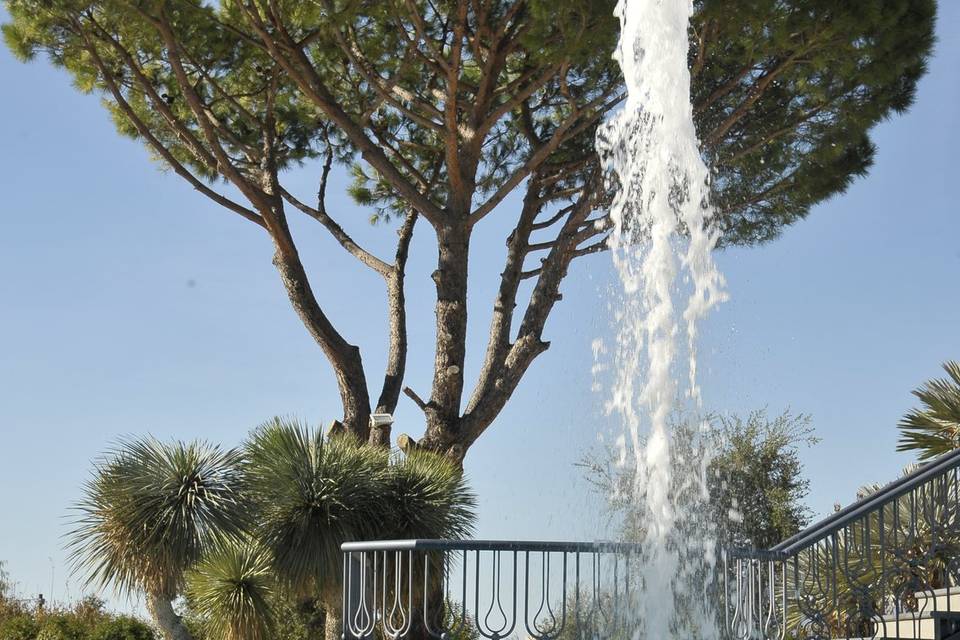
x,y
446,111
934,428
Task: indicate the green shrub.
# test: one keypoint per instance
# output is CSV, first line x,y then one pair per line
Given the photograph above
x,y
84,620
61,626
122,628
19,626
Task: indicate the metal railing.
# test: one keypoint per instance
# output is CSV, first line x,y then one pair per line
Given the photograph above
x,y
470,589
887,566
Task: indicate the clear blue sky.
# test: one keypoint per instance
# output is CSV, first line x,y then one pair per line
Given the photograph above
x,y
129,304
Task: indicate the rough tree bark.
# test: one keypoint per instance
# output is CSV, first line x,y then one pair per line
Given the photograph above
x,y
450,277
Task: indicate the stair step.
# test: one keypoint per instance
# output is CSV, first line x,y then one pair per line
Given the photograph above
x,y
946,599
913,626
909,626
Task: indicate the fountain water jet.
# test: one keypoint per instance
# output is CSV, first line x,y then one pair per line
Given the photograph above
x,y
662,248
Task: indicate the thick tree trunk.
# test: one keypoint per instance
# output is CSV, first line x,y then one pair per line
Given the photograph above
x,y
443,410
170,624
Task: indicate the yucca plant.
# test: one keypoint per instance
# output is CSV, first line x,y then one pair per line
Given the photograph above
x,y
427,498
311,494
241,531
232,590
151,511
934,429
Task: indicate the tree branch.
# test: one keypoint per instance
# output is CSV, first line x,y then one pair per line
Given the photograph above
x,y
417,400
386,92
755,93
582,116
493,394
342,237
157,146
397,312
722,90
305,76
505,302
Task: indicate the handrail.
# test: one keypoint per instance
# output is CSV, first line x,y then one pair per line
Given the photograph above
x,y
488,545
837,521
834,579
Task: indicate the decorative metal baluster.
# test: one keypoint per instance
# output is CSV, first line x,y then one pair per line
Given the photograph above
x,y
929,540
389,628
896,560
817,593
484,627
740,627
576,592
526,594
555,627
770,596
727,593
463,615
427,625
881,627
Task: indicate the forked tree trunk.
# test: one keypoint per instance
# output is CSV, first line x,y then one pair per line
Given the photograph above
x,y
171,625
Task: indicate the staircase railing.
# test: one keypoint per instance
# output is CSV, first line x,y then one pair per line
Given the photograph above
x,y
887,566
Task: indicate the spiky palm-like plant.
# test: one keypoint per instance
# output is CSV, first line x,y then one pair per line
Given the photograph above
x,y
428,498
246,529
232,589
312,494
934,429
150,512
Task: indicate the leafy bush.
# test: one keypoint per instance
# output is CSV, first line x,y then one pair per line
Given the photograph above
x,y
19,626
122,628
753,473
83,620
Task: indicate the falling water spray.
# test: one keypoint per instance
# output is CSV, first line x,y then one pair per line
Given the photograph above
x,y
662,247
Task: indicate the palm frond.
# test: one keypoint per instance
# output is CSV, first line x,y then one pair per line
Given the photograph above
x,y
232,589
152,509
934,429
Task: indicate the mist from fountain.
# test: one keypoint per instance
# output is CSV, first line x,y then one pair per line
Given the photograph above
x,y
662,248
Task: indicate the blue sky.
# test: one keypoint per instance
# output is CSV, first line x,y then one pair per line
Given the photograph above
x,y
130,305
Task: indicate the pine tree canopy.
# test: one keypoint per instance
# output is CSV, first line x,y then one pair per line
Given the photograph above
x,y
785,93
